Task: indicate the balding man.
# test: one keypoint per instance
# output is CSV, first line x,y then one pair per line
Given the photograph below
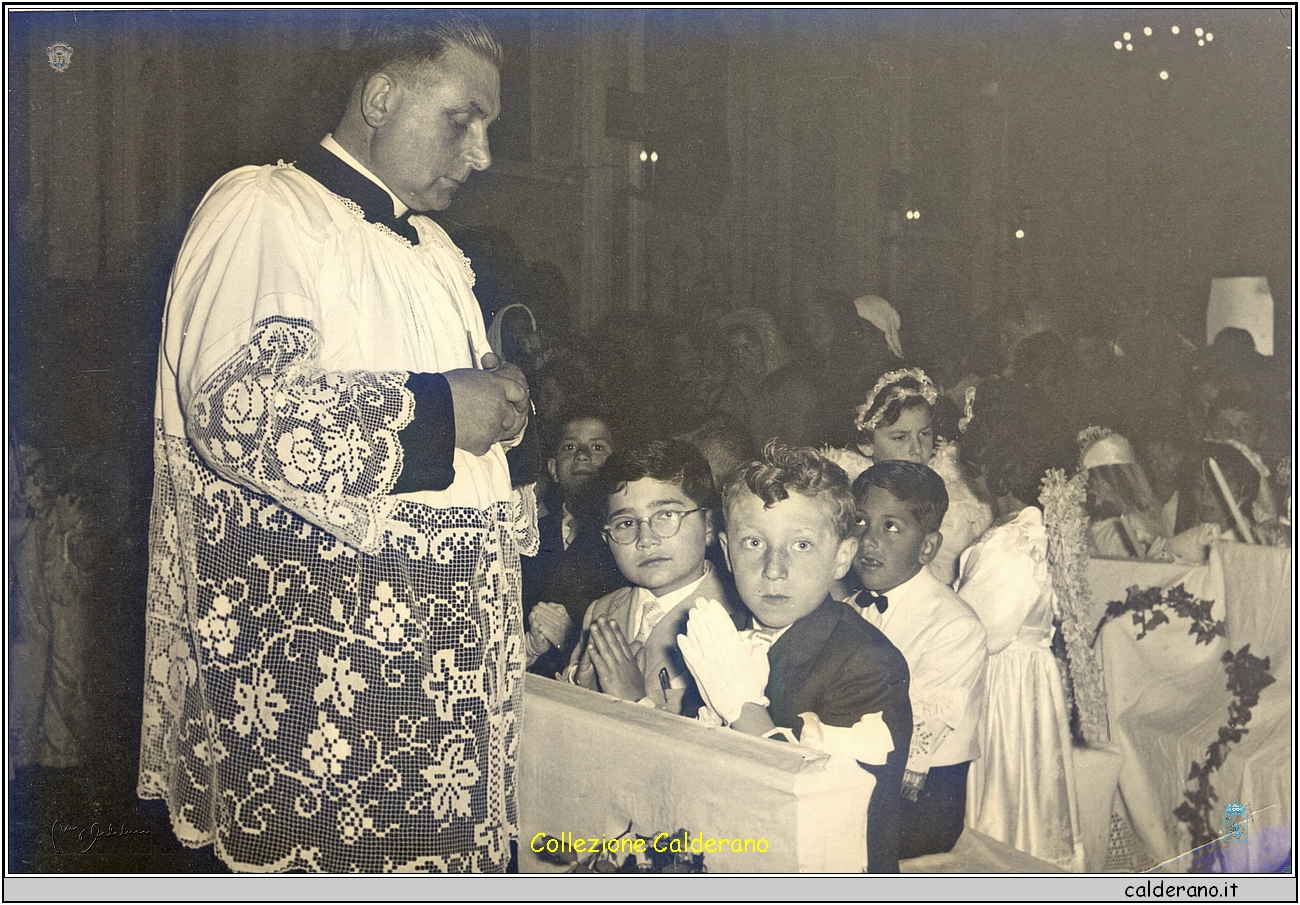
x,y
334,660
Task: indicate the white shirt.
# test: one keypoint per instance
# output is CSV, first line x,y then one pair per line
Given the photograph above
x,y
644,617
943,641
763,638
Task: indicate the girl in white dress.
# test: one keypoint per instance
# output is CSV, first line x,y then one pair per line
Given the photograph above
x,y
896,422
1021,790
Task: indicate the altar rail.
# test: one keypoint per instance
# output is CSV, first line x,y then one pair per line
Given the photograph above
x,y
590,764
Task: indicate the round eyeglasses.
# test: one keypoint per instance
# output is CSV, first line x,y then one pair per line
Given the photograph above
x,y
665,524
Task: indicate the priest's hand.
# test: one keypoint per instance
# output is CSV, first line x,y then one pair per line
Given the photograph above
x,y
491,404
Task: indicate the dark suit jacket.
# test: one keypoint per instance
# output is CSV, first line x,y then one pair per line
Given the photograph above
x,y
835,664
573,578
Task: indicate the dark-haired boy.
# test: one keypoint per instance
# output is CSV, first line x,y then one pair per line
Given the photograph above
x,y
1236,420
899,507
661,510
572,566
810,670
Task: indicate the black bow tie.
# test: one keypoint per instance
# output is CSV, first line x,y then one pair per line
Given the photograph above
x,y
330,171
871,598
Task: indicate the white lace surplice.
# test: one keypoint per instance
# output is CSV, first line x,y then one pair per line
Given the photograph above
x,y
333,673
1021,791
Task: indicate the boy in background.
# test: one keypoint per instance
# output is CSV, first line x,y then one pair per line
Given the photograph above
x,y
572,566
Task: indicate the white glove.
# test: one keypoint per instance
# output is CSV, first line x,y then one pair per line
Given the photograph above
x,y
728,670
868,740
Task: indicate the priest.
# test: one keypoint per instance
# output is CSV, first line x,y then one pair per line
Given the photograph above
x,y
334,656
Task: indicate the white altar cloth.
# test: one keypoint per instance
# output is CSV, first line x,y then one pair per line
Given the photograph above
x,y
1167,698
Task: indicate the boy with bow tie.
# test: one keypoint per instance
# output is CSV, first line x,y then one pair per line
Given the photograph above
x,y
899,507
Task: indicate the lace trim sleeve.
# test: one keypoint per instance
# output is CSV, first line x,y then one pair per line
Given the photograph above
x,y
323,444
525,511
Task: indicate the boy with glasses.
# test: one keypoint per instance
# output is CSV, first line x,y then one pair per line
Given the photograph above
x,y
661,507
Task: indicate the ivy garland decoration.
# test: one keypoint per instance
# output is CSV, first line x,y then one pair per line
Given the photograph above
x,y
1149,611
1248,675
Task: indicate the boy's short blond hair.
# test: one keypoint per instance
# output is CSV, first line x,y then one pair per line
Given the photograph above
x,y
783,470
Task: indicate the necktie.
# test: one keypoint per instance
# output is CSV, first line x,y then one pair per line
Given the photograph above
x,y
650,617
568,529
871,598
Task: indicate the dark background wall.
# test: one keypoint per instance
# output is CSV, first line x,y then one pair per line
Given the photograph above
x,y
790,145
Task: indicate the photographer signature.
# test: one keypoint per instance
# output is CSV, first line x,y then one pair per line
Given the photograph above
x,y
63,834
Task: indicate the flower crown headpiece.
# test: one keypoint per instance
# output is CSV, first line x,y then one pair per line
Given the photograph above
x,y
1091,434
1100,446
926,391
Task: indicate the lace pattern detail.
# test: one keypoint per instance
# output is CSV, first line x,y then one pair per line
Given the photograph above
x,y
527,534
311,706
853,462
324,444
361,215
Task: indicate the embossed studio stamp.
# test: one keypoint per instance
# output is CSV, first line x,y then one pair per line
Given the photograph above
x,y
60,55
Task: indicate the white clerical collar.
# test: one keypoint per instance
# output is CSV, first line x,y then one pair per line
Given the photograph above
x,y
329,144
